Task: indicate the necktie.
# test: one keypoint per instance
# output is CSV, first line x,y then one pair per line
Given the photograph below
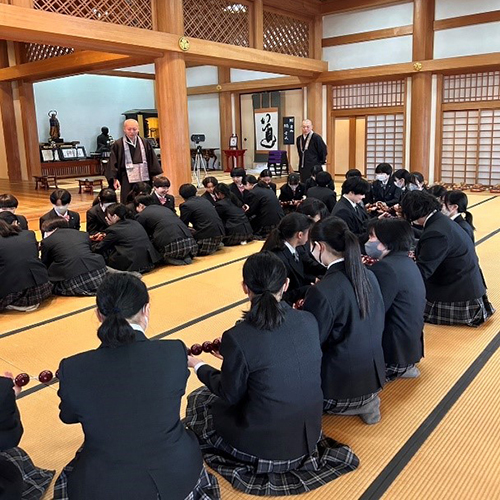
x,y
296,257
162,199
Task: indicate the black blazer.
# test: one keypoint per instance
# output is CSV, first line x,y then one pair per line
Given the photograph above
x,y
163,226
270,400
288,194
353,359
20,267
272,187
135,444
265,209
403,291
209,197
357,220
11,430
312,183
448,262
169,201
67,254
465,226
389,194
96,220
22,221
203,217
241,196
324,194
299,284
127,247
74,219
234,218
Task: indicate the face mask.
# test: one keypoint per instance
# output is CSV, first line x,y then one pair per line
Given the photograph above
x,y
293,186
400,184
372,250
413,187
62,209
381,177
105,205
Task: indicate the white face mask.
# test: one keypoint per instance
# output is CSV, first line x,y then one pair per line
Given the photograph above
x,y
61,210
382,177
105,205
413,187
293,186
400,183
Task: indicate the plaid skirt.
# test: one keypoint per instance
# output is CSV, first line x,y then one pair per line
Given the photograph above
x,y
263,232
85,284
207,246
35,480
236,239
180,249
28,296
339,406
469,312
207,487
392,372
256,476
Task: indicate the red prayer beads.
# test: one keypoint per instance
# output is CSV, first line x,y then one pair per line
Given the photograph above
x,y
207,346
44,377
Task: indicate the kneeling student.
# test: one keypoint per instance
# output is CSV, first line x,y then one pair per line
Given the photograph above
x,y
61,199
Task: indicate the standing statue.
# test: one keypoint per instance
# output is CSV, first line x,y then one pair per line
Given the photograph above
x,y
55,130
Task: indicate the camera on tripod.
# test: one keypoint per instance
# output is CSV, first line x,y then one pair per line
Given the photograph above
x,y
197,138
199,161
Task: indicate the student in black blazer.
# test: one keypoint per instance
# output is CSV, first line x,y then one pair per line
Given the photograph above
x,y
96,216
383,188
454,205
322,192
349,308
311,181
25,282
161,186
283,241
261,413
265,210
209,184
446,257
237,187
135,444
208,228
60,199
19,478
403,291
126,246
349,208
236,224
266,177
73,268
9,203
292,193
170,236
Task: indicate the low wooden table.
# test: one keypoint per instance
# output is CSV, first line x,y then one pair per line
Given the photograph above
x,y
87,184
45,181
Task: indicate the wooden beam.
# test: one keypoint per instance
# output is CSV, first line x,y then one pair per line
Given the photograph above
x,y
71,64
337,6
30,25
459,106
347,113
258,24
308,8
368,36
374,73
459,22
316,37
126,74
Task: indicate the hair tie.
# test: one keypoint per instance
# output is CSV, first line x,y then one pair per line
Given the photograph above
x,y
117,310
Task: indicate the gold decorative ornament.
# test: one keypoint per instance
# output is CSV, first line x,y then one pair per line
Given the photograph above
x,y
184,43
417,66
218,88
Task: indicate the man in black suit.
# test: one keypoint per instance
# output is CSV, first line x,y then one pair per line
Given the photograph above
x,y
201,214
384,189
60,199
161,185
312,150
96,216
170,236
348,207
9,203
322,192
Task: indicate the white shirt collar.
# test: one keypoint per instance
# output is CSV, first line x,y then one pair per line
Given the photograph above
x,y
335,261
428,217
137,327
354,205
453,217
292,250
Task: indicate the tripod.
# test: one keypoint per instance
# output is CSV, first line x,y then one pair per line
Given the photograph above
x,y
199,163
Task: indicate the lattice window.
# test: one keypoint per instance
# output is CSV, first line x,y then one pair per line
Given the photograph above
x,y
488,170
217,20
37,52
135,13
472,87
286,35
384,141
369,95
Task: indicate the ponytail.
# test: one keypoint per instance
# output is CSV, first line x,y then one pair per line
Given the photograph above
x,y
274,241
224,190
289,226
469,219
459,198
115,331
266,313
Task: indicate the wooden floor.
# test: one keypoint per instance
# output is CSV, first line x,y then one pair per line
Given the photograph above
x,y
438,437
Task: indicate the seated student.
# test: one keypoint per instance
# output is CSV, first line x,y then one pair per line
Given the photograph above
x,y
266,177
348,207
403,291
9,203
292,193
208,227
170,236
416,182
138,189
349,308
236,224
446,257
283,241
322,192
313,208
454,205
353,172
73,268
60,199
126,246
401,179
258,419
128,403
238,185
19,477
25,283
96,216
438,191
161,185
383,188
264,210
311,181
209,184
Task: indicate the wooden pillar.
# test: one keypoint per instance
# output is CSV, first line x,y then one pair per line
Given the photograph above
x,y
423,47
8,117
315,105
316,37
258,24
171,97
30,131
225,113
